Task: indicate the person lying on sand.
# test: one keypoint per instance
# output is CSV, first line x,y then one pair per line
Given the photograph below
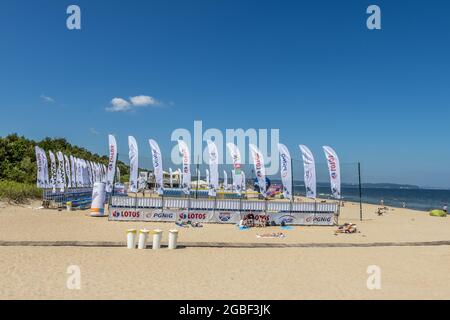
x,y
346,228
271,235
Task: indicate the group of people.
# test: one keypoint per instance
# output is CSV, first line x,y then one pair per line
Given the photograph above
x,y
250,220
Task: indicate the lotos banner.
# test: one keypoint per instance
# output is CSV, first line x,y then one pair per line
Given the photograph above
x,y
260,171
335,171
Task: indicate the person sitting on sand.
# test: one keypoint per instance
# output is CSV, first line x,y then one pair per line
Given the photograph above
x,y
251,219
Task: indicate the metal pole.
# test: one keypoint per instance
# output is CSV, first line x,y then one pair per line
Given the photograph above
x,y
360,192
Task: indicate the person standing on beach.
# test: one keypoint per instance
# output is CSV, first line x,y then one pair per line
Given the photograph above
x,y
445,208
382,202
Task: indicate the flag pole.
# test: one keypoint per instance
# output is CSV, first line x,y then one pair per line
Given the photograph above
x,y
360,192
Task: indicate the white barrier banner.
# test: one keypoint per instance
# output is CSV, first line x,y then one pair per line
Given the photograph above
x,y
218,216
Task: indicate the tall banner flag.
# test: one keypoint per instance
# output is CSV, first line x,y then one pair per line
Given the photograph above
x,y
105,173
83,173
157,166
133,154
237,173
309,166
73,171
285,170
40,179
184,150
111,163
171,177
207,177
91,169
79,172
260,170
213,169
335,171
60,172
69,177
44,158
96,167
225,180
53,171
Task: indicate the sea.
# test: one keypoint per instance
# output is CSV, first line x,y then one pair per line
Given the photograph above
x,y
417,198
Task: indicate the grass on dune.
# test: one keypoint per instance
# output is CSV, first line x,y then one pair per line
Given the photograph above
x,y
18,193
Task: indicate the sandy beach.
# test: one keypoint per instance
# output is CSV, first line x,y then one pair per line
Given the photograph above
x,y
312,272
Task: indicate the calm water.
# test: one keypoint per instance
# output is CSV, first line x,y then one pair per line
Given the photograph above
x,y
420,199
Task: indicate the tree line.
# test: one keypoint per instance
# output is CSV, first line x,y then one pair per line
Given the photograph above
x,y
18,159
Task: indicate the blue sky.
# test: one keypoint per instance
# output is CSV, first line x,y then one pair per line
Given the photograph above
x,y
310,68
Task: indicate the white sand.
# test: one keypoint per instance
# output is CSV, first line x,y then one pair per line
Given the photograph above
x,y
214,273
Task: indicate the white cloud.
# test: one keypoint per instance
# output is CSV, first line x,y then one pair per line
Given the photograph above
x,y
119,104
94,131
142,101
122,105
47,98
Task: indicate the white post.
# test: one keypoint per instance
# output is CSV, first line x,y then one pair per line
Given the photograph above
x,y
142,242
131,238
157,235
173,237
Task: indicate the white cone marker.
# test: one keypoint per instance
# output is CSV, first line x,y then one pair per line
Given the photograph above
x,y
157,235
173,238
131,238
142,242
